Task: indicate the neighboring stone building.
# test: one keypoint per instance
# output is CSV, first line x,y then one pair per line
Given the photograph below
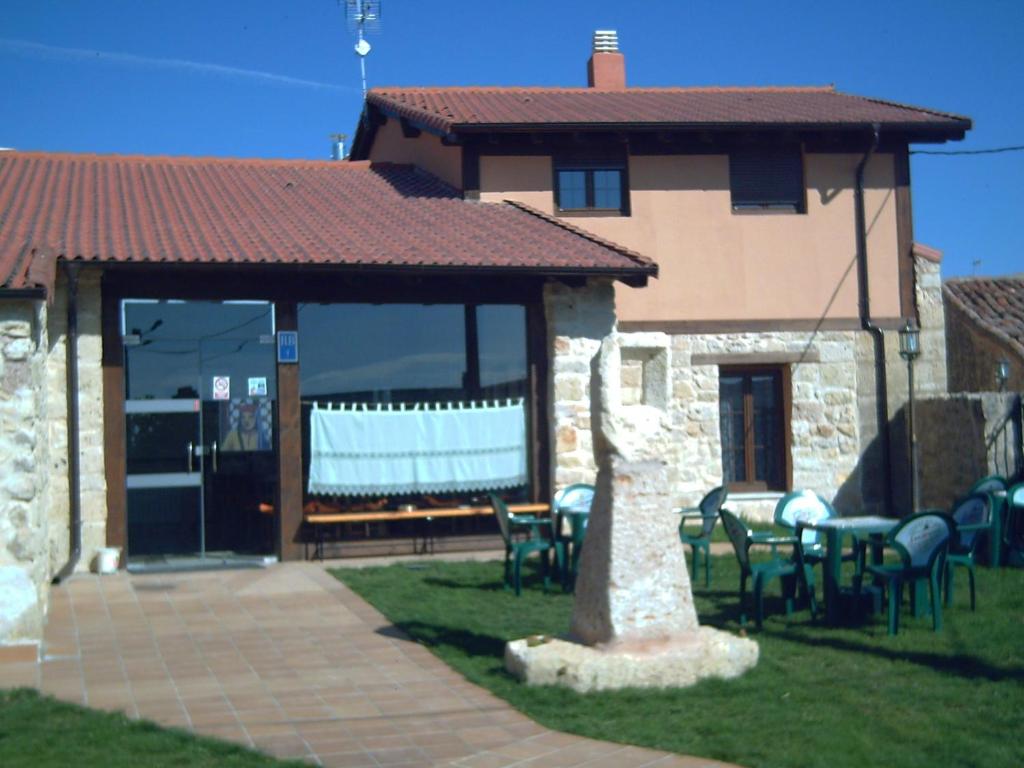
x,y
984,324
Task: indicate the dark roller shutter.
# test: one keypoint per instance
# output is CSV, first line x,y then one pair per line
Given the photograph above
x,y
767,178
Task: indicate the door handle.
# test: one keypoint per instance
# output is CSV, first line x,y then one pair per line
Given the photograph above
x,y
189,455
214,451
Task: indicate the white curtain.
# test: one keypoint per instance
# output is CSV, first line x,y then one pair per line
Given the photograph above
x,y
360,450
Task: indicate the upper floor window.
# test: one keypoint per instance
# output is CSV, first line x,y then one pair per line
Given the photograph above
x,y
591,188
767,179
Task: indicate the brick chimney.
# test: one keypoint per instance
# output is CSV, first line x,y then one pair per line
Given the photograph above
x,y
607,67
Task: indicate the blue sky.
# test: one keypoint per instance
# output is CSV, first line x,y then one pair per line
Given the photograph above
x,y
267,78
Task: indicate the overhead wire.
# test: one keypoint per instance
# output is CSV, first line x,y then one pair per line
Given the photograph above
x,y
994,151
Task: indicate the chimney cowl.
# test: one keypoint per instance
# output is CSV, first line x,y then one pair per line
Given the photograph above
x,y
606,69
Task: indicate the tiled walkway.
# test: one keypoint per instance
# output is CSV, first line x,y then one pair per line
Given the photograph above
x,y
289,661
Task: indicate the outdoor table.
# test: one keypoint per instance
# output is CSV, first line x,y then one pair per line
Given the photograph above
x,y
835,528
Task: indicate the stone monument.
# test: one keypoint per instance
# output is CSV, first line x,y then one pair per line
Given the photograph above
x,y
633,622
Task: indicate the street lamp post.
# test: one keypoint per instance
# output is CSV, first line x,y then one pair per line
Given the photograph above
x,y
910,348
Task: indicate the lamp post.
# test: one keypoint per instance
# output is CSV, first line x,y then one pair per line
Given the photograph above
x,y
1002,373
910,348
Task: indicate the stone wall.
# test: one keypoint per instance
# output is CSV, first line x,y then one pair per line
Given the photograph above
x,y
834,432
90,409
964,437
825,442
578,319
824,428
24,526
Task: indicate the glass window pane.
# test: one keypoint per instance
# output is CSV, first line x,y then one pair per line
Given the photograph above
x,y
572,189
731,426
608,189
501,334
381,353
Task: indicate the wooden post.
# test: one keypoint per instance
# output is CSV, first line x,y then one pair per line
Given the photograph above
x,y
288,506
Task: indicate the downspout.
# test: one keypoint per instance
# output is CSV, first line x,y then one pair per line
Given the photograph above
x,y
74,470
877,337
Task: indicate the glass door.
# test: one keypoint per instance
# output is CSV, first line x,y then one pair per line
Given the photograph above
x,y
199,413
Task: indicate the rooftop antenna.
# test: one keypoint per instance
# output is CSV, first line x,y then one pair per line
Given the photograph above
x,y
363,16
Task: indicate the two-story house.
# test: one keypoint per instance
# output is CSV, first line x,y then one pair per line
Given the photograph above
x,y
780,220
194,350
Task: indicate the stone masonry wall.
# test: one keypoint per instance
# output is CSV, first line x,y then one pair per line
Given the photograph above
x,y
24,527
825,436
577,320
964,437
825,431
90,409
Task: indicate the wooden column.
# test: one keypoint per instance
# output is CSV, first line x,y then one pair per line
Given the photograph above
x,y
114,442
288,506
537,361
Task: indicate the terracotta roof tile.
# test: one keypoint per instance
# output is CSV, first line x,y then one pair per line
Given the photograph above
x,y
192,210
453,109
995,303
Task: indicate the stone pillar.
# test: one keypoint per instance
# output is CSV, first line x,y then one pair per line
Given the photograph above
x,y
24,571
634,622
633,583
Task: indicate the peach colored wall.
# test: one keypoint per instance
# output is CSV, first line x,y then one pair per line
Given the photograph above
x,y
425,150
717,265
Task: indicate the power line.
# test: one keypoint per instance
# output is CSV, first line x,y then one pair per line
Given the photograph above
x,y
994,151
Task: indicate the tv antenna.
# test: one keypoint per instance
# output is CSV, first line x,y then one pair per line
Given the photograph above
x,y
363,16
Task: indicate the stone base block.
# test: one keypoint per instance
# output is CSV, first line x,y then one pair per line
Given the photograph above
x,y
675,663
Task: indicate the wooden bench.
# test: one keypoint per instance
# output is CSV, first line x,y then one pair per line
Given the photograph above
x,y
319,521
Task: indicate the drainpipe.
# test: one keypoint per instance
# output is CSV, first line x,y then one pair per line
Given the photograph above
x,y
877,337
74,472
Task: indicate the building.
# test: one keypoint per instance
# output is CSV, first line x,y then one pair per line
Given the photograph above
x,y
780,219
172,329
984,325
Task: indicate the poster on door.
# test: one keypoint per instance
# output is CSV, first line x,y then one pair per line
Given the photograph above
x,y
221,387
246,425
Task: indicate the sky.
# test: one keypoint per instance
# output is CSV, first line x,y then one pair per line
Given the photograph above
x,y
274,78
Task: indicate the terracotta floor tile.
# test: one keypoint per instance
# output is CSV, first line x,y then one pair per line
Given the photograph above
x,y
288,659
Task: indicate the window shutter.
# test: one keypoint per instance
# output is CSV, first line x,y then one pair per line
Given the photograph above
x,y
767,178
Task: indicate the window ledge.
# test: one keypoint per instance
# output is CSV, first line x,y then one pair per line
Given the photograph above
x,y
755,496
589,212
767,211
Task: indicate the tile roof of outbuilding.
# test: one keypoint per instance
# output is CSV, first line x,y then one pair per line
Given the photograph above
x,y
995,303
455,109
222,211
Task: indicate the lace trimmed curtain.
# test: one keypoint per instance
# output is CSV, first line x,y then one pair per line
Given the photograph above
x,y
361,450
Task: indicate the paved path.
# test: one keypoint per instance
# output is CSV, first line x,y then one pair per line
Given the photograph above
x,y
290,661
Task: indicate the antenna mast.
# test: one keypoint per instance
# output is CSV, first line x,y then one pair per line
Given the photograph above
x,y
363,16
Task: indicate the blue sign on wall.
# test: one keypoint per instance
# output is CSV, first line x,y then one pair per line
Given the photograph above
x,y
287,346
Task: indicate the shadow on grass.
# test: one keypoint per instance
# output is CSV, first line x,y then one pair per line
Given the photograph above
x,y
961,665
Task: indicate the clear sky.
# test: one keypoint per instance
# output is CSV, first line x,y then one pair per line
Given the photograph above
x,y
273,78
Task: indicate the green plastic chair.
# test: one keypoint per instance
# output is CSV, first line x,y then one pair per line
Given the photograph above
x,y
792,572
972,516
921,542
1014,535
992,546
539,537
577,498
700,544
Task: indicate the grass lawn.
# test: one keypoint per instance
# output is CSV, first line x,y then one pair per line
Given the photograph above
x,y
819,696
41,732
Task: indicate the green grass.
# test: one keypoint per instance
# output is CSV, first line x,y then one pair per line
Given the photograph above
x,y
39,731
819,696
